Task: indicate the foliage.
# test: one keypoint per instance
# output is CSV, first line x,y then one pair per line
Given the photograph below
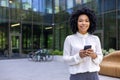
x,y
57,52
106,52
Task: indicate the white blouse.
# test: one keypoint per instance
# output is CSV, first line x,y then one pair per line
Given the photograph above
x,y
72,46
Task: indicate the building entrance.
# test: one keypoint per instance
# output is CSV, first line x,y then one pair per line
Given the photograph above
x,y
15,44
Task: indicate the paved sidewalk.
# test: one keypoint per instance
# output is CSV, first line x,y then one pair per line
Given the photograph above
x,y
23,69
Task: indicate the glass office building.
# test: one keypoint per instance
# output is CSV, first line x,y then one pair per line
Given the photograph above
x,y
27,25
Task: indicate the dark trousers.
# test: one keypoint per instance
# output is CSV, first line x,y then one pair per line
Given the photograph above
x,y
85,76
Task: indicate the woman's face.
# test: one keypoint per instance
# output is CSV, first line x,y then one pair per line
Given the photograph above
x,y
83,24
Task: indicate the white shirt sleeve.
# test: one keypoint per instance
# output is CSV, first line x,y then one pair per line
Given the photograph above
x,y
67,57
98,51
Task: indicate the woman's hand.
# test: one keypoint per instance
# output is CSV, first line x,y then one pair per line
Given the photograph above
x,y
82,53
91,53
88,52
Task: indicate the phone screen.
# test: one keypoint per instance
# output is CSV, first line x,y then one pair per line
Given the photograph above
x,y
87,47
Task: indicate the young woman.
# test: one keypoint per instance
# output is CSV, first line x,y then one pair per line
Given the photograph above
x,y
83,61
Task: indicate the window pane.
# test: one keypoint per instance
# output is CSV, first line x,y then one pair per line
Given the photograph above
x,y
56,6
3,12
17,3
99,22
26,4
99,5
27,34
62,4
110,30
69,4
109,5
78,2
85,1
41,5
118,18
118,4
4,3
35,5
48,6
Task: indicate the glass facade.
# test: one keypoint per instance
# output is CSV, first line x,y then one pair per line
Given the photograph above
x,y
27,25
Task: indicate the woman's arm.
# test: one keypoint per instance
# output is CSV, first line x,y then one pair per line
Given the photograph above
x,y
67,57
98,52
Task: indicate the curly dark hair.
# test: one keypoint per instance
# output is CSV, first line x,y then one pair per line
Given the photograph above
x,y
91,15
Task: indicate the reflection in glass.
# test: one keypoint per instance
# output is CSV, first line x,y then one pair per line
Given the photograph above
x,y
110,30
78,2
4,3
35,5
26,4
118,18
118,3
109,5
49,6
62,5
56,6
69,4
41,6
85,1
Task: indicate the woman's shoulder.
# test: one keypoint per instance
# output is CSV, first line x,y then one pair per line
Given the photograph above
x,y
94,36
71,36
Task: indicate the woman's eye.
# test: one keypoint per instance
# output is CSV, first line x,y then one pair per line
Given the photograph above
x,y
80,21
87,21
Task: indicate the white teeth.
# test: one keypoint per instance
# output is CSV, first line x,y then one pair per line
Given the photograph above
x,y
83,27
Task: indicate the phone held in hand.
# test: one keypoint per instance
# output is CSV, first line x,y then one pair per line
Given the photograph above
x,y
87,47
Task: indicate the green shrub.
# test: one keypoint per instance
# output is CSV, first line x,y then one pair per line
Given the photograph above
x,y
105,52
57,52
111,50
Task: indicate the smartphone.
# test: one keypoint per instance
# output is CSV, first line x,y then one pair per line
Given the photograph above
x,y
87,47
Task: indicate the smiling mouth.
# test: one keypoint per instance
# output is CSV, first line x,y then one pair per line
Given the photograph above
x,y
83,26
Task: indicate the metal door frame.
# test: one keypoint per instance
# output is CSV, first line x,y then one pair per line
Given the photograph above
x,y
10,41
